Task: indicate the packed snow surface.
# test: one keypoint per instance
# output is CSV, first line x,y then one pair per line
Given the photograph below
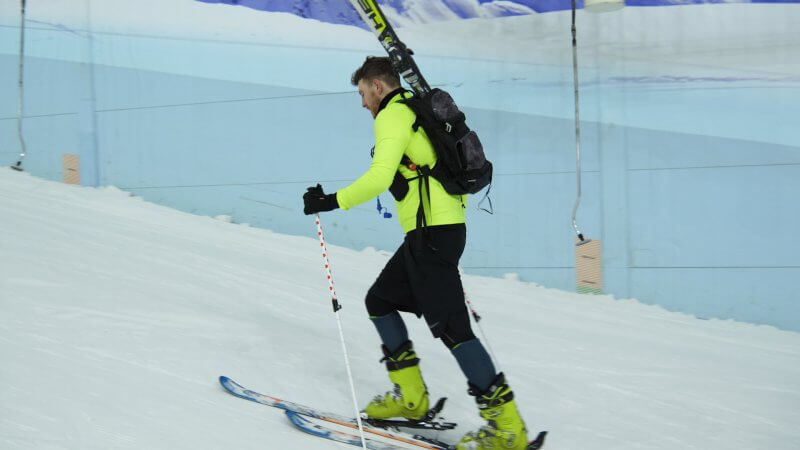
x,y
119,315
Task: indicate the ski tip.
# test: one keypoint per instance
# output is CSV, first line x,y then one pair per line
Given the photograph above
x,y
537,443
227,383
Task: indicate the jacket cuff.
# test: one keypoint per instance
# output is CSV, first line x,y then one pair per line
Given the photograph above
x,y
331,201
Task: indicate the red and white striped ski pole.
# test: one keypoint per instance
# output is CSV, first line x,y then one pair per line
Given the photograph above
x,y
336,308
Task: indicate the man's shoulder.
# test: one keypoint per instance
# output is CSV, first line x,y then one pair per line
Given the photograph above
x,y
396,113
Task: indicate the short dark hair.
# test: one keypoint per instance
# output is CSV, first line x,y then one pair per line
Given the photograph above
x,y
376,67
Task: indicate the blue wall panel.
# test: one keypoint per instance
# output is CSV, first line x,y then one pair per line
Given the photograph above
x,y
689,179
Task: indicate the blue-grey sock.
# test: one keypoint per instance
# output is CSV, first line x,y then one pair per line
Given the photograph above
x,y
392,330
475,363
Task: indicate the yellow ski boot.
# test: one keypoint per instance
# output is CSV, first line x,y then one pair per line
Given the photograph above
x,y
409,399
504,428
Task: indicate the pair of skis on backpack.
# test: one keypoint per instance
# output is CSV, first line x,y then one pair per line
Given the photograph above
x,y
378,434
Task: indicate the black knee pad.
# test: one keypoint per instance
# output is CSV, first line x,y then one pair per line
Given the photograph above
x,y
377,307
458,330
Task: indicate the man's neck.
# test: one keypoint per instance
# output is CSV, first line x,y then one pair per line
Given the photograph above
x,y
388,97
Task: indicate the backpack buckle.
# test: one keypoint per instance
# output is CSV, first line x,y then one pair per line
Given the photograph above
x,y
448,127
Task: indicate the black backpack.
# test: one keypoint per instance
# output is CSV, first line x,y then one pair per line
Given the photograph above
x,y
462,167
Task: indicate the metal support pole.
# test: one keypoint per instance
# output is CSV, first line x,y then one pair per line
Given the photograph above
x,y
21,86
577,126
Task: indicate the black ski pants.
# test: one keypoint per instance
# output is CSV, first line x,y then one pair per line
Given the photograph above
x,y
422,278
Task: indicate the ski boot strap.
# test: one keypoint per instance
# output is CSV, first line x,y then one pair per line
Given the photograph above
x,y
498,393
401,358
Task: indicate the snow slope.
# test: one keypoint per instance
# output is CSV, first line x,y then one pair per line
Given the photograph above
x,y
118,316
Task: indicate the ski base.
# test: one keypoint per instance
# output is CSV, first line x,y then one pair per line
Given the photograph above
x,y
377,437
412,424
535,444
427,422
331,425
382,441
326,430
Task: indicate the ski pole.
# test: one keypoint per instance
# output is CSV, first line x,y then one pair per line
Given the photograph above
x,y
480,328
336,308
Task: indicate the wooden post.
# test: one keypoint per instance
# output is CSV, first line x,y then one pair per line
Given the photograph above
x,y
71,168
589,267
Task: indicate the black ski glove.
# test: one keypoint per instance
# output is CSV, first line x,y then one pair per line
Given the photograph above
x,y
316,200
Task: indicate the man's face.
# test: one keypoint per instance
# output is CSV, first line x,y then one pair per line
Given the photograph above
x,y
371,92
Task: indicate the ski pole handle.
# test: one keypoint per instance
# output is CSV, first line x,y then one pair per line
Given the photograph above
x,y
326,262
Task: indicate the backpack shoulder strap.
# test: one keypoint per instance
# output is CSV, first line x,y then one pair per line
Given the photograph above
x,y
413,102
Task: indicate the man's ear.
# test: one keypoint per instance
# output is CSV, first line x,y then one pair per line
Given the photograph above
x,y
378,86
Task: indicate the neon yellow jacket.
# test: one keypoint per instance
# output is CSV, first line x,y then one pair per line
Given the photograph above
x,y
394,137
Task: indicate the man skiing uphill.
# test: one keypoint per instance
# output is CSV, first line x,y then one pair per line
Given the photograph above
x,y
422,276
